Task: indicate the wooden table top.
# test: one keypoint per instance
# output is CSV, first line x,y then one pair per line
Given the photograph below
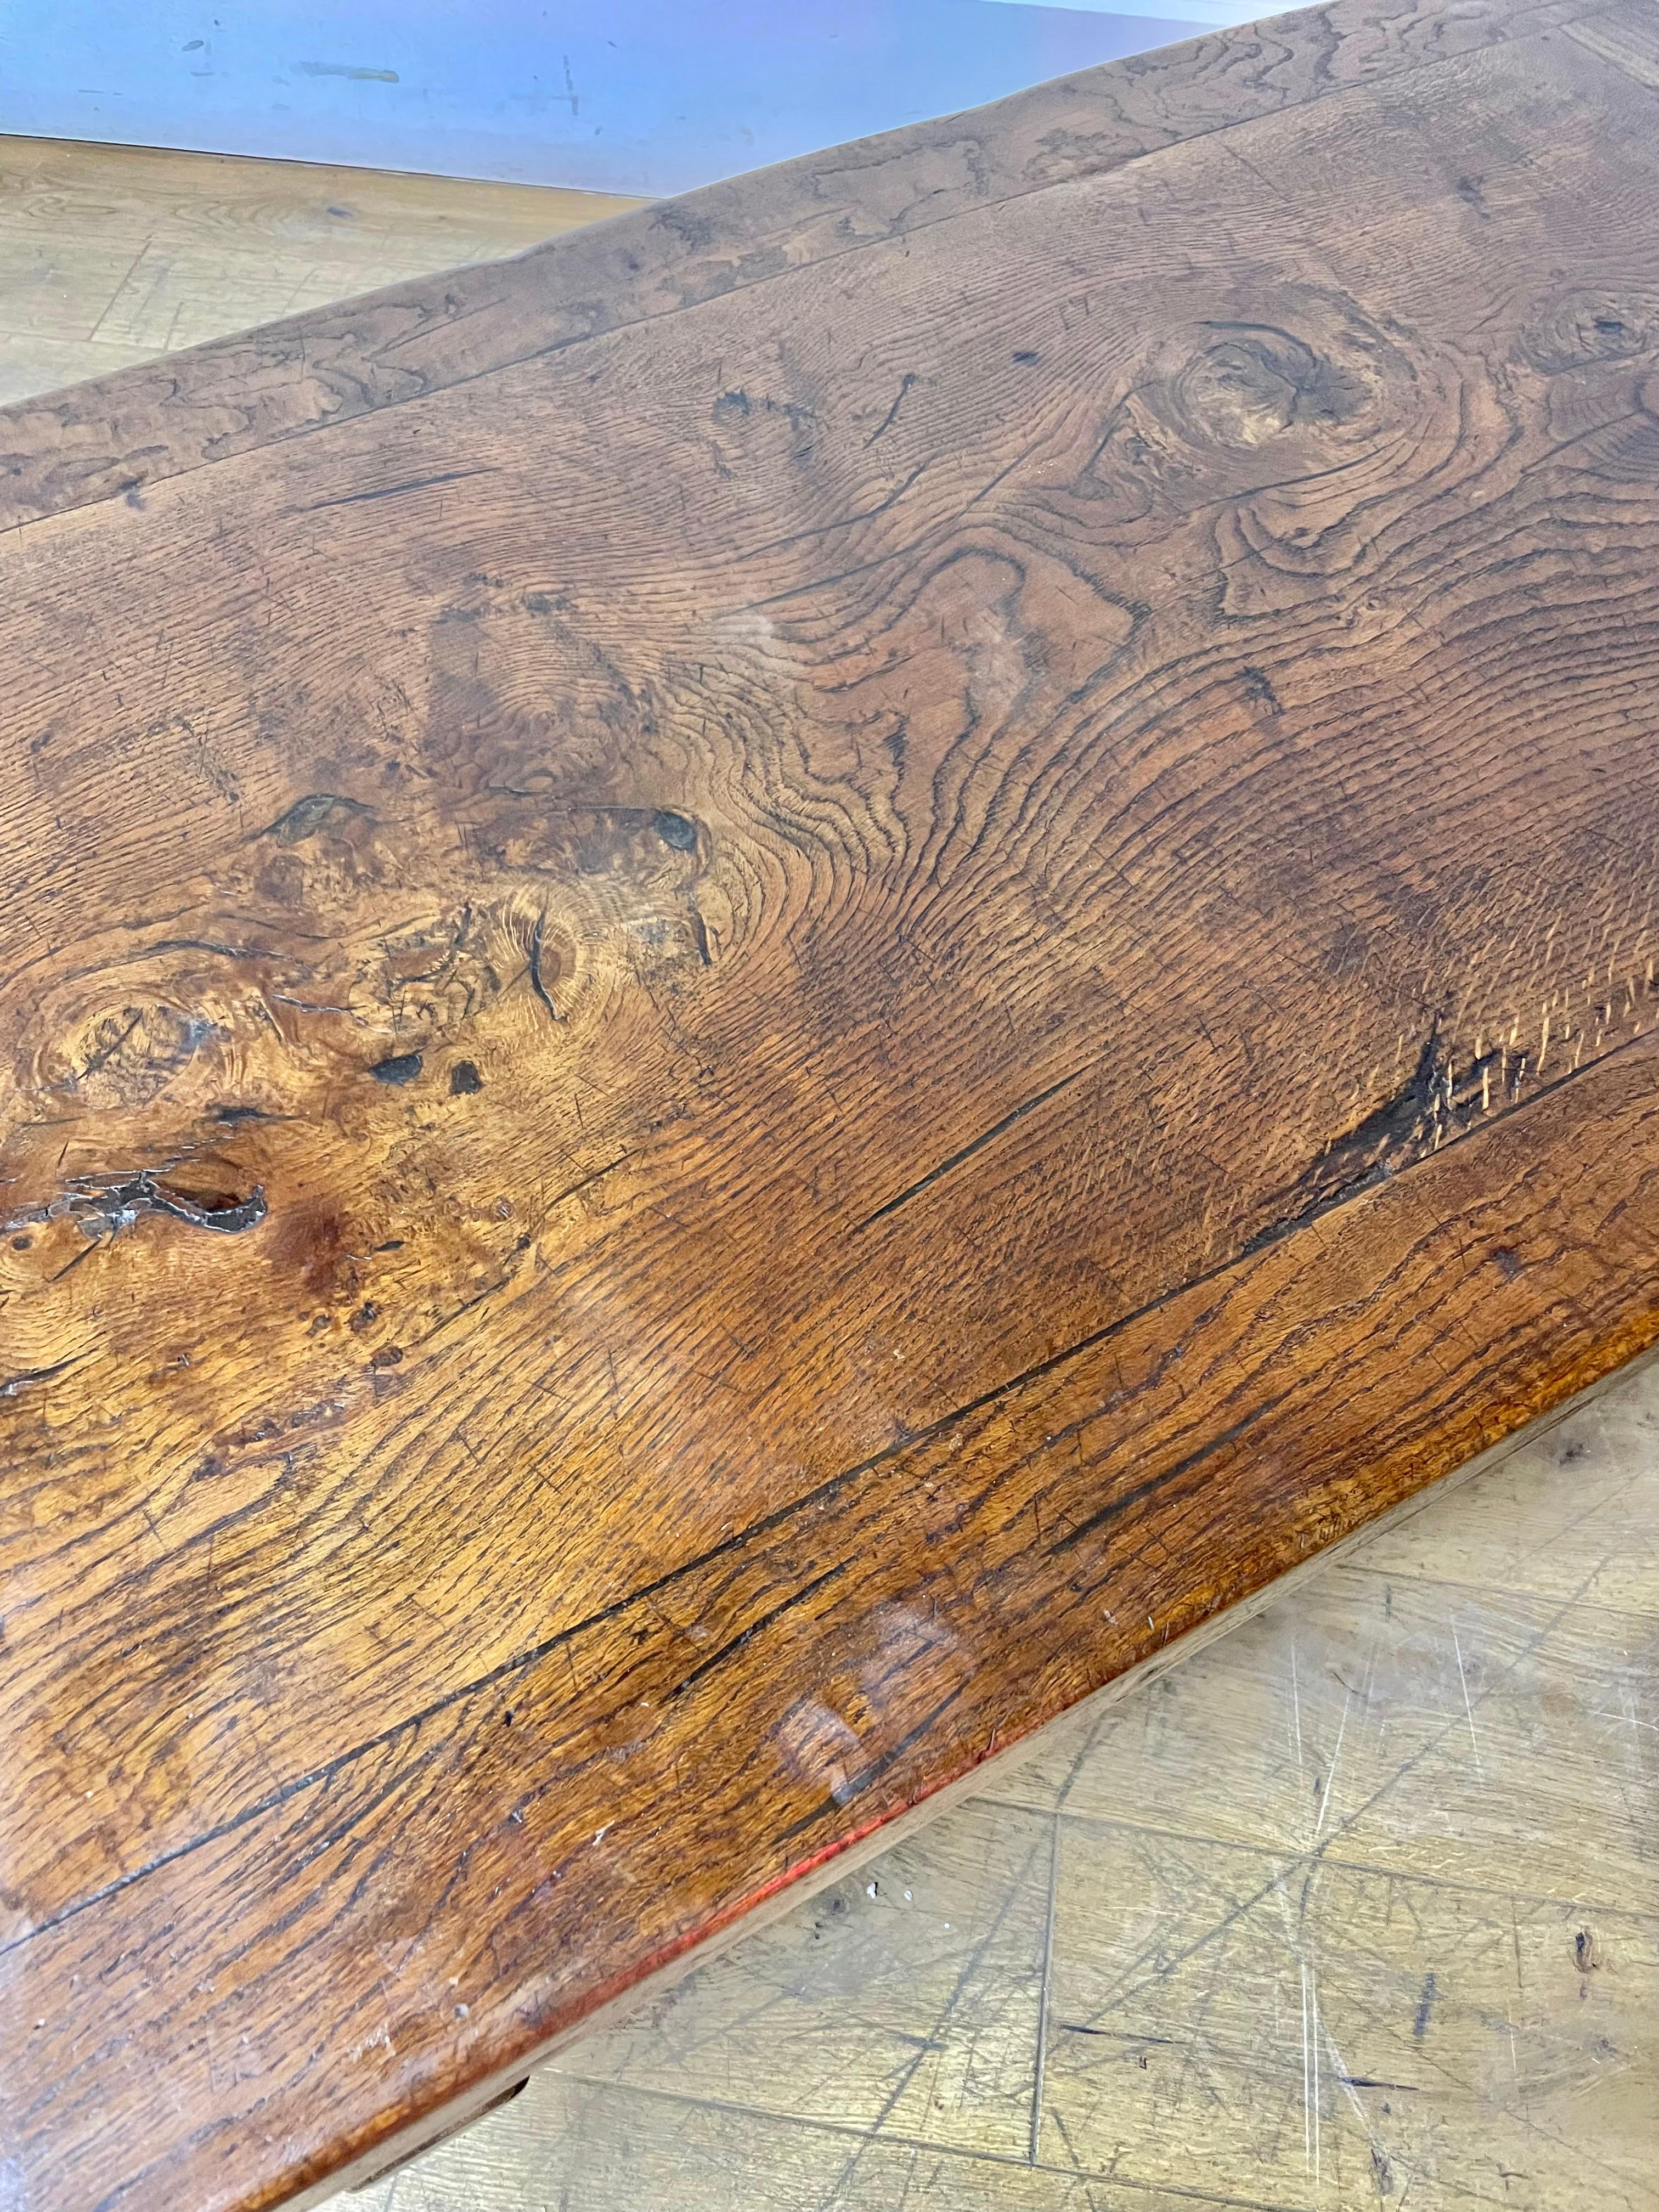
x,y
772,986
1357,1907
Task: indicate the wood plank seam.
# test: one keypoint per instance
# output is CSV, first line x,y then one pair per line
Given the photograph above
x,y
729,1073
820,1494
683,219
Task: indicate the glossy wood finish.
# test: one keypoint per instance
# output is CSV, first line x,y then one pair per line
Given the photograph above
x,y
741,1047
1359,1905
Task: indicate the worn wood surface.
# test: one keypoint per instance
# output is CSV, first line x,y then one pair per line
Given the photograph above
x,y
412,340
889,2042
741,1047
1358,1908
110,255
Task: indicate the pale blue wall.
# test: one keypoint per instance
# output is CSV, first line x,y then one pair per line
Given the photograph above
x,y
617,95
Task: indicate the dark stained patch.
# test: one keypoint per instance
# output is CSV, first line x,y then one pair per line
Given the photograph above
x,y
318,810
401,1067
1258,688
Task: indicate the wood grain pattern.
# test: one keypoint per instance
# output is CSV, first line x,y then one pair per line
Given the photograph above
x,y
410,339
112,254
1356,1905
738,1049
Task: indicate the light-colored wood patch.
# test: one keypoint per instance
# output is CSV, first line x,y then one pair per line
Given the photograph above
x,y
110,255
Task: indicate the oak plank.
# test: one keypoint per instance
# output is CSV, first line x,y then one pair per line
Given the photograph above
x,y
900,2028
737,1038
301,374
455,1853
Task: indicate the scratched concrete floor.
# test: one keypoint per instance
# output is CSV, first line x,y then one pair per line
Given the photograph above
x,y
1358,1907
